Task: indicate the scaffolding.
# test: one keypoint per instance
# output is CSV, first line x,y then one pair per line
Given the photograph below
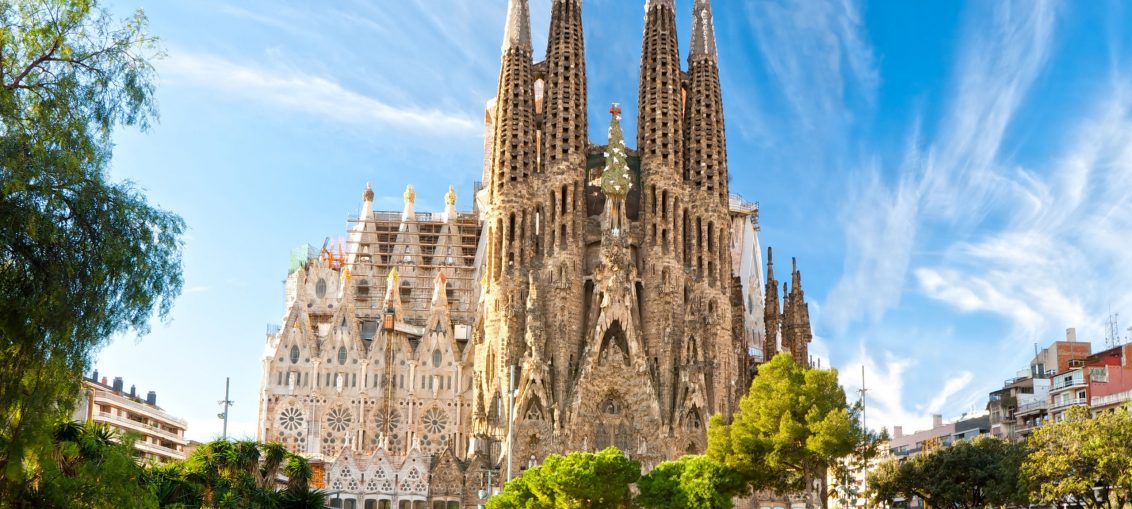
x,y
379,243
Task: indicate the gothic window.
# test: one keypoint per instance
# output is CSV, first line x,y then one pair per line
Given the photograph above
x,y
601,439
435,421
623,440
320,288
436,358
693,423
339,419
341,355
294,354
291,419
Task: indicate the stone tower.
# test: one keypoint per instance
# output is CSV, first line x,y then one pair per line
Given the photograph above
x,y
787,322
607,280
600,295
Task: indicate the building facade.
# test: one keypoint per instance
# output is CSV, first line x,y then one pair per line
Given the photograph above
x,y
160,436
594,296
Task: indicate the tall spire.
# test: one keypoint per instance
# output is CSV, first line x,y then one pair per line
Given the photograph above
x,y
565,126
517,33
514,128
705,141
772,315
659,130
703,31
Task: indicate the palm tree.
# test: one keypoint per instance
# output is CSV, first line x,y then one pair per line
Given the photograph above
x,y
302,498
298,472
274,454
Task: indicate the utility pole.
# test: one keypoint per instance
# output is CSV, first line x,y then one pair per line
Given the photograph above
x,y
226,402
510,419
862,391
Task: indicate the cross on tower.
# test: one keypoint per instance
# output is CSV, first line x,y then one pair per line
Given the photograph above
x,y
615,109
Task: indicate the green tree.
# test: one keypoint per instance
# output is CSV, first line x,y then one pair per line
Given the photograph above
x,y
692,482
89,466
579,480
966,475
1082,460
170,485
790,427
242,474
81,258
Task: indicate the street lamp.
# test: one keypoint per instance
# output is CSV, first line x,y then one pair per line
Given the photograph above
x,y
486,493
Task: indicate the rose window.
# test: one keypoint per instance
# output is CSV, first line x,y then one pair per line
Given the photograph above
x,y
339,419
435,420
291,419
387,421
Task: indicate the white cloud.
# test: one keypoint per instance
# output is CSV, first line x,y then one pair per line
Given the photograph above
x,y
818,52
956,178
884,380
298,91
1063,259
950,388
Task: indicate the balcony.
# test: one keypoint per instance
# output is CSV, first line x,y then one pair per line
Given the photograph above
x,y
1112,399
1025,428
140,427
1068,402
1029,408
1062,383
159,450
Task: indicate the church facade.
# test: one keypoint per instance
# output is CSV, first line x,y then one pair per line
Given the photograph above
x,y
594,296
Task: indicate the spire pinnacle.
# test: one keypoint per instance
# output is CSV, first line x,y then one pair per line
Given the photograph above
x,y
368,194
649,4
703,31
615,180
517,33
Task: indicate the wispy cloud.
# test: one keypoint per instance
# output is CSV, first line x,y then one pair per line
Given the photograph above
x,y
934,203
818,52
1063,259
298,91
956,177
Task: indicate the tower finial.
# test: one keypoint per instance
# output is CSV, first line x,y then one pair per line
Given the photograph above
x,y
517,33
649,4
410,195
368,194
615,180
450,197
703,31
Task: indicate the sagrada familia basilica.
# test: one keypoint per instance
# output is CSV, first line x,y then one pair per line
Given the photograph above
x,y
593,296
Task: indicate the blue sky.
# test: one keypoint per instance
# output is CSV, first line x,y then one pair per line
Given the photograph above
x,y
955,178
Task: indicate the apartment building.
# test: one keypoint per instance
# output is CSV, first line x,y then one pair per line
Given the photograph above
x,y
1110,378
160,436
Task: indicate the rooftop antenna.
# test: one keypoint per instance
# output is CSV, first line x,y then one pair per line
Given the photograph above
x,y
227,403
1112,337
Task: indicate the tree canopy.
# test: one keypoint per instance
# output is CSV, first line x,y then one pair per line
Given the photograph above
x,y
1082,460
577,480
790,427
969,474
691,482
81,258
89,466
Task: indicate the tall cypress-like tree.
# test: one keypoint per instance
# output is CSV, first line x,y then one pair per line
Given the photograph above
x,y
81,258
